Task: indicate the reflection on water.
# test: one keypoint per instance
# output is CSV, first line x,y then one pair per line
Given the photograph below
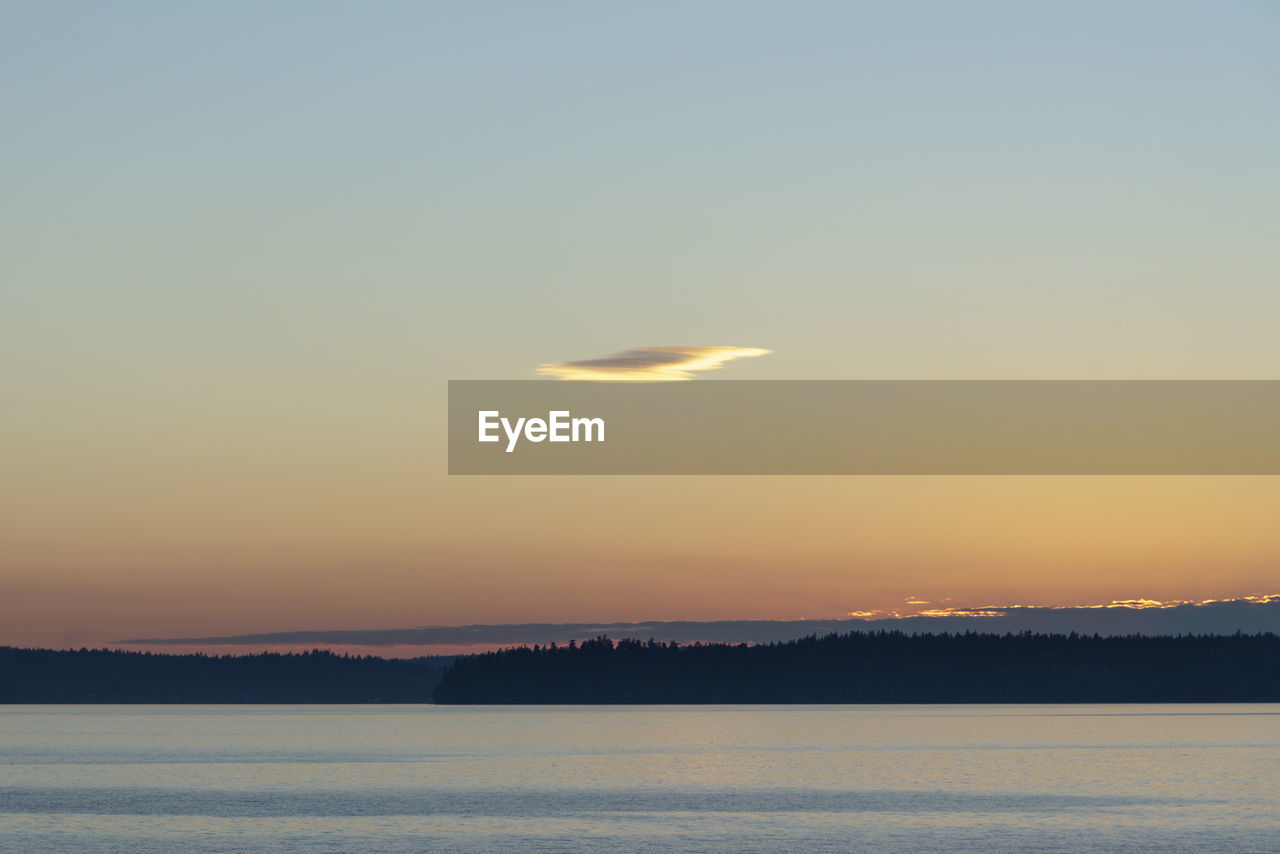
x,y
704,778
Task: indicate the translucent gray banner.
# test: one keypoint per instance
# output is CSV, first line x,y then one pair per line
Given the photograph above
x,y
1000,427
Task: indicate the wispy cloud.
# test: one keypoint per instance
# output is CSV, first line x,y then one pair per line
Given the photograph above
x,y
649,364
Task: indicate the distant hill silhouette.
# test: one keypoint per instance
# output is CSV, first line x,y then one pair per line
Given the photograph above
x,y
113,676
879,667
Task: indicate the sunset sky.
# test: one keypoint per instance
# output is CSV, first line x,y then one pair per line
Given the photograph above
x,y
243,248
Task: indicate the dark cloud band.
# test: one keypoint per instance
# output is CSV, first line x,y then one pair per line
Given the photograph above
x,y
1249,615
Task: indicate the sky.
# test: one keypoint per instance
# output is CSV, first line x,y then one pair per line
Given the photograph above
x,y
242,249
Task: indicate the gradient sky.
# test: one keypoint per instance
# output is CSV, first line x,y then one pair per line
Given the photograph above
x,y
242,248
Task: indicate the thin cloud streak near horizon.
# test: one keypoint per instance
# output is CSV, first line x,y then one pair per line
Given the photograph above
x,y
1247,614
650,364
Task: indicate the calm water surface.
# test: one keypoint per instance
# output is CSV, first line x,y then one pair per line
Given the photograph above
x,y
626,778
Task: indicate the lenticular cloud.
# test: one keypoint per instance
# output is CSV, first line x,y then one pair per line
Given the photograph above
x,y
649,364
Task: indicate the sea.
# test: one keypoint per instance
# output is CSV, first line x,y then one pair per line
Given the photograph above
x,y
364,779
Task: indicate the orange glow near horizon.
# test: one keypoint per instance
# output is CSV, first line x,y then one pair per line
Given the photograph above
x,y
317,547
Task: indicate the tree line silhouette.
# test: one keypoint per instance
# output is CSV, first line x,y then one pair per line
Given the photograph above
x,y
859,667
879,667
116,676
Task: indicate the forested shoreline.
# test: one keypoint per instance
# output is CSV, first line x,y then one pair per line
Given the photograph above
x,y
118,676
858,667
879,667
